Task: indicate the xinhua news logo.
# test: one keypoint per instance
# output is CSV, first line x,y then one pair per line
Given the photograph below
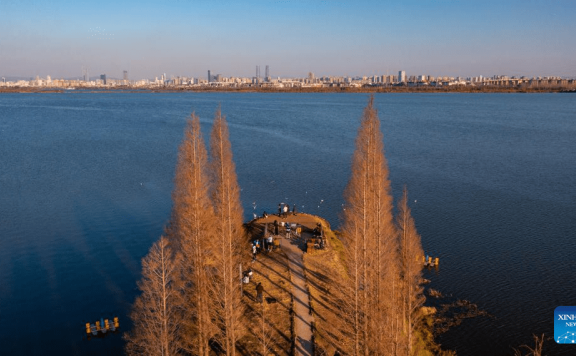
x,y
565,325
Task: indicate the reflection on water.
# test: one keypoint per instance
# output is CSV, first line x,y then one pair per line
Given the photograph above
x,y
86,179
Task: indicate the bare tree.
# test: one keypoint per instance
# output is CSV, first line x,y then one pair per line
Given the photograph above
x,y
229,236
191,226
371,242
154,314
536,350
264,333
411,275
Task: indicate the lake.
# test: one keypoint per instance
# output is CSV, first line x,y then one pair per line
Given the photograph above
x,y
86,181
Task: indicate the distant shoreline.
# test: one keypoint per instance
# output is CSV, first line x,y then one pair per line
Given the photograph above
x,y
451,89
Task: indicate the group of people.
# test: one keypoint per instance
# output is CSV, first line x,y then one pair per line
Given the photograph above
x,y
268,245
284,209
288,227
247,275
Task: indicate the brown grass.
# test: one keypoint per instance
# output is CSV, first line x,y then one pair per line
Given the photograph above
x,y
323,268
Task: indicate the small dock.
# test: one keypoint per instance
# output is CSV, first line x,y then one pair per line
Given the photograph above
x,y
102,326
429,261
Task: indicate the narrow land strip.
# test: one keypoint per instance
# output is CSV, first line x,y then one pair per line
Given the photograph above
x,y
302,318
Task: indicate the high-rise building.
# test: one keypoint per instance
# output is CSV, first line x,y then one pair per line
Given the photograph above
x,y
209,76
103,78
125,75
402,76
85,75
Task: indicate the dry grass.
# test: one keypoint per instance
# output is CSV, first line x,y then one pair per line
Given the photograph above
x,y
323,268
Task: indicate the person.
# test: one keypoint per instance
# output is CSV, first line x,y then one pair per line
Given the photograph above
x,y
286,209
247,275
270,242
279,210
253,253
275,227
294,210
264,214
259,292
288,230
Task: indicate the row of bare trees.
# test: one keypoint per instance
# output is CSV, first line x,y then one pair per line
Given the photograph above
x,y
383,292
191,297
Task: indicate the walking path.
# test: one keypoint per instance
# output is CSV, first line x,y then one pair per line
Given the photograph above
x,y
294,250
302,318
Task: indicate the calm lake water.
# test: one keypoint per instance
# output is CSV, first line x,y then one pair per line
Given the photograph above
x,y
86,179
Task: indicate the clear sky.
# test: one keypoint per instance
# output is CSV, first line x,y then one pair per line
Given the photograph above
x,y
293,37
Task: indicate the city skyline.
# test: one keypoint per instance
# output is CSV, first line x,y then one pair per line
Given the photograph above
x,y
185,38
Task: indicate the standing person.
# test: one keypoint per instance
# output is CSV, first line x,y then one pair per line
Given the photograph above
x,y
279,210
259,292
270,243
275,227
294,210
254,253
286,209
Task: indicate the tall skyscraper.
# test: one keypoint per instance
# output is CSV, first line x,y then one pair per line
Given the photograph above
x,y
402,76
85,74
125,75
267,72
209,76
103,78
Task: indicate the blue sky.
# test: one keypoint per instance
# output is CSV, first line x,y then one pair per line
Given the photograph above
x,y
293,37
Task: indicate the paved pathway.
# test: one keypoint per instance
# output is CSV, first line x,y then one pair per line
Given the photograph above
x,y
302,318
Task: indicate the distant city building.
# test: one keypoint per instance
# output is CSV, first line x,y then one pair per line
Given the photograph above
x,y
85,74
310,81
402,76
